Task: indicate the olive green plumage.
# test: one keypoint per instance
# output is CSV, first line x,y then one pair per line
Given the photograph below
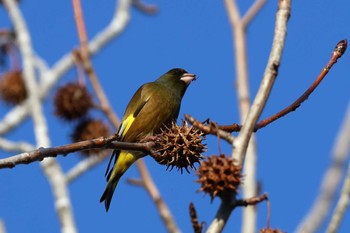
x,y
154,105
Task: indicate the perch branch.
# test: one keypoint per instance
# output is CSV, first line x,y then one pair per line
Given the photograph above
x,y
101,142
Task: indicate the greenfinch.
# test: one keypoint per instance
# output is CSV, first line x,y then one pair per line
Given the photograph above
x,y
153,106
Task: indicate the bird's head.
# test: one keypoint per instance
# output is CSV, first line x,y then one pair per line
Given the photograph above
x,y
177,78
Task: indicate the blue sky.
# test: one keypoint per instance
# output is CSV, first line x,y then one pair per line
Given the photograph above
x,y
293,152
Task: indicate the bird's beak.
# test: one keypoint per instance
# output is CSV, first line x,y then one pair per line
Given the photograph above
x,y
187,78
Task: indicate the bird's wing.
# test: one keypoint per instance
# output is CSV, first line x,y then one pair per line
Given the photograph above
x,y
138,101
127,122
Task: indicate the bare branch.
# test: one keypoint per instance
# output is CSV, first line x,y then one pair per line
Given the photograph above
x,y
240,146
222,215
241,142
252,200
233,13
197,227
243,96
296,104
336,54
211,128
145,8
252,12
41,153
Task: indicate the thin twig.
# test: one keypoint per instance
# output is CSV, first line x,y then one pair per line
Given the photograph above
x,y
211,128
252,12
336,54
197,227
147,9
252,200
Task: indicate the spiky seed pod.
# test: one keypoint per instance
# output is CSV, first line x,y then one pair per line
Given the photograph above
x,y
90,129
12,88
270,230
179,146
72,101
219,176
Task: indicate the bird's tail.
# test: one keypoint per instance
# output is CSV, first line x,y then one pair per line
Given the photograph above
x,y
124,161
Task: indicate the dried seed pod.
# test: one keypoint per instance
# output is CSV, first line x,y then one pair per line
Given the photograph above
x,y
219,176
72,101
12,88
90,129
179,146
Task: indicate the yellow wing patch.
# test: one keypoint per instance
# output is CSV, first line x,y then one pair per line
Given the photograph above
x,y
126,125
130,119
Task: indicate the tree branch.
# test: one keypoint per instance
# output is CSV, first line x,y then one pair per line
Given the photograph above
x,y
336,54
240,146
241,142
101,142
238,27
211,128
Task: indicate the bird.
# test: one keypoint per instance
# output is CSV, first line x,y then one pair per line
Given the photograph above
x,y
153,106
